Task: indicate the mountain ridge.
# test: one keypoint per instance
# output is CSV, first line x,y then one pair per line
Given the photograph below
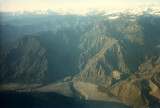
x,y
120,57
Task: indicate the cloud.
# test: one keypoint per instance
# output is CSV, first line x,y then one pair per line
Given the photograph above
x,y
11,5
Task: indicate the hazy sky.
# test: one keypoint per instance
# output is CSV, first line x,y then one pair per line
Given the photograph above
x,y
12,5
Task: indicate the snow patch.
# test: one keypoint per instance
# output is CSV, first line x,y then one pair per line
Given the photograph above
x,y
113,17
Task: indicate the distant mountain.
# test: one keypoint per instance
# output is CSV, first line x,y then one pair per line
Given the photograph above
x,y
120,55
16,27
128,10
16,24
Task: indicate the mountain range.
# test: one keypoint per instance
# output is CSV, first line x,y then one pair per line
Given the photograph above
x,y
112,58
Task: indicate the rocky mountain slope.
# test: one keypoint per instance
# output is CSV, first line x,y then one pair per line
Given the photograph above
x,y
120,57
